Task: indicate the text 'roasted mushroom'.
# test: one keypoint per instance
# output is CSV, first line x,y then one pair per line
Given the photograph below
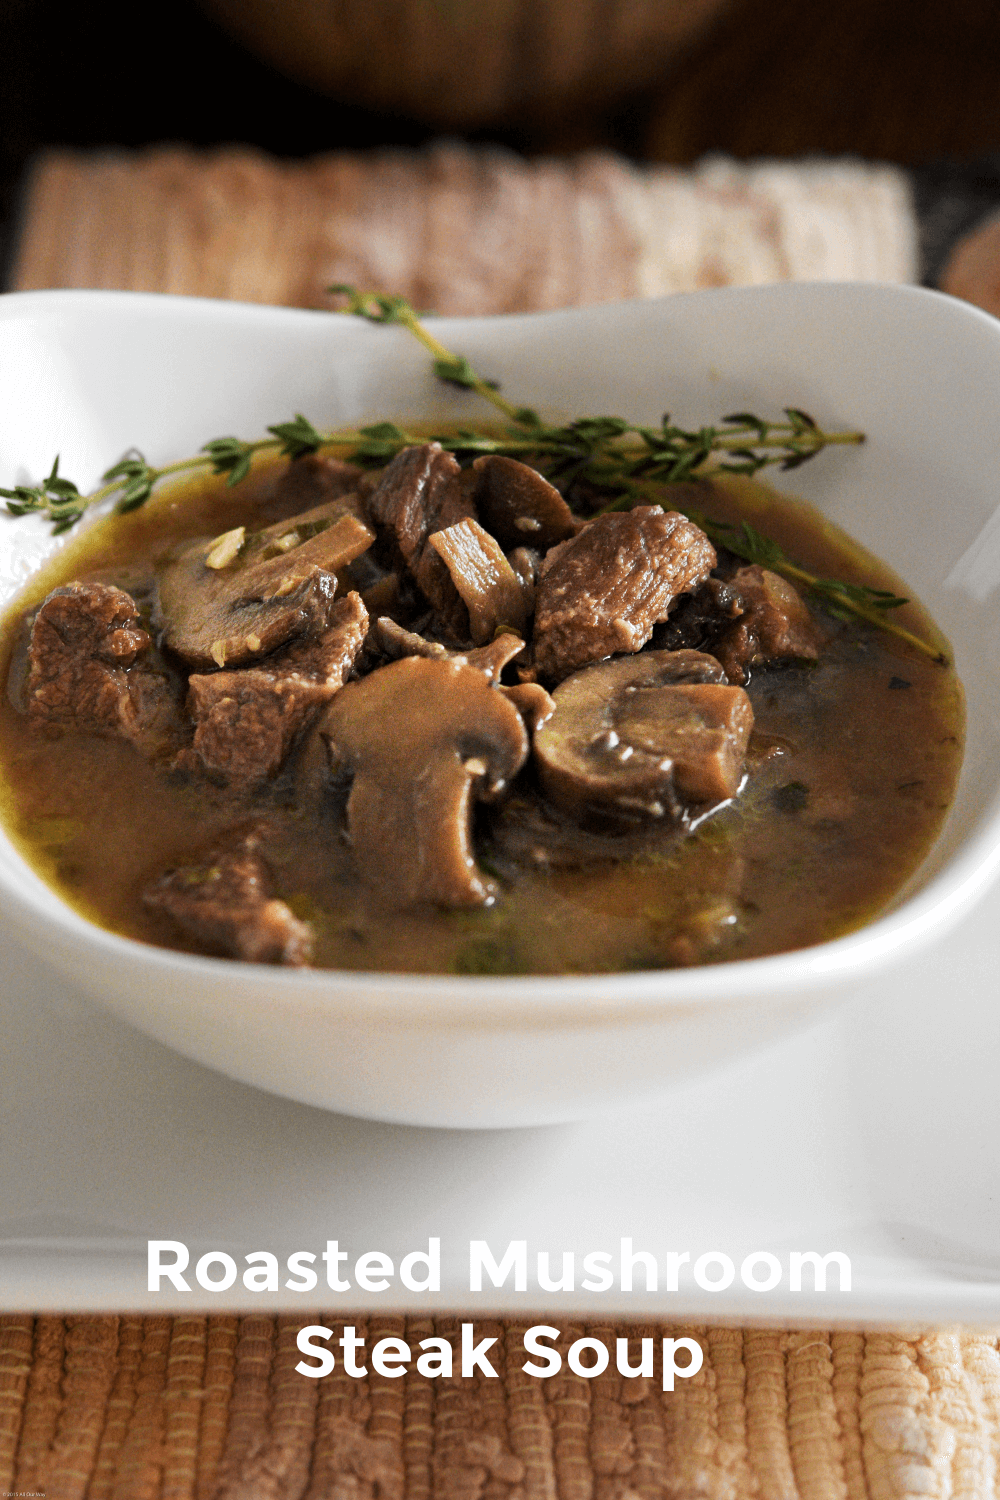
x,y
423,738
645,735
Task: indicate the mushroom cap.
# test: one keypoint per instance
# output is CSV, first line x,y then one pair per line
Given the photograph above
x,y
423,738
273,591
519,505
644,735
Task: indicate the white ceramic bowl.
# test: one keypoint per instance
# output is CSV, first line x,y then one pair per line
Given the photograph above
x,y
89,375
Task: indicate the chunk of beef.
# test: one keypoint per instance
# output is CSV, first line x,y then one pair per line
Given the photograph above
x,y
518,505
698,618
602,592
224,605
246,721
304,483
224,904
772,624
420,493
82,669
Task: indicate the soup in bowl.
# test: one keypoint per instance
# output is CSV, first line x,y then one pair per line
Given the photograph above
x,y
660,808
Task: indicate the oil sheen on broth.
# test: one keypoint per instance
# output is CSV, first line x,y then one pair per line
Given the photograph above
x,y
842,786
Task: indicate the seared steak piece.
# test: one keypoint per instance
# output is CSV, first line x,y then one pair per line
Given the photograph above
x,y
84,643
773,624
224,904
247,720
751,617
306,482
419,494
601,592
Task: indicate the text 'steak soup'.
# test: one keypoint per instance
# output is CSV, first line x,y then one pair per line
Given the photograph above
x,y
730,770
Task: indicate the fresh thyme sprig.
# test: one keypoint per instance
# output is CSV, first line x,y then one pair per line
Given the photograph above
x,y
843,600
619,459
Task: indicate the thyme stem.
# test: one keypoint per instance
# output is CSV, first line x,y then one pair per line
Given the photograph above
x,y
375,307
631,461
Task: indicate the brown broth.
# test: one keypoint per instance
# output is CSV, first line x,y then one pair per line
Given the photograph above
x,y
821,839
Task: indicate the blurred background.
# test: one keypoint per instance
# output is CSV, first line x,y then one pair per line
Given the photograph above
x,y
629,99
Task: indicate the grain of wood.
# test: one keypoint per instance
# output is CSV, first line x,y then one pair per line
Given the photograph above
x,y
42,1403
16,1330
454,228
465,65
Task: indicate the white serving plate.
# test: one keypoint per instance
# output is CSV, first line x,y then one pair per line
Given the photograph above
x,y
875,1132
90,375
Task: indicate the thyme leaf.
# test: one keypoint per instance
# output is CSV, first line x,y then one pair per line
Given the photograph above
x,y
298,438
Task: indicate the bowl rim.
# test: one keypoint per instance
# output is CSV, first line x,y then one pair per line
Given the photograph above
x,y
545,1000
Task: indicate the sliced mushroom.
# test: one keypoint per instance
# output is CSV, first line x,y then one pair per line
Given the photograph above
x,y
269,591
490,589
645,735
532,702
518,505
246,721
527,564
422,739
419,493
491,659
